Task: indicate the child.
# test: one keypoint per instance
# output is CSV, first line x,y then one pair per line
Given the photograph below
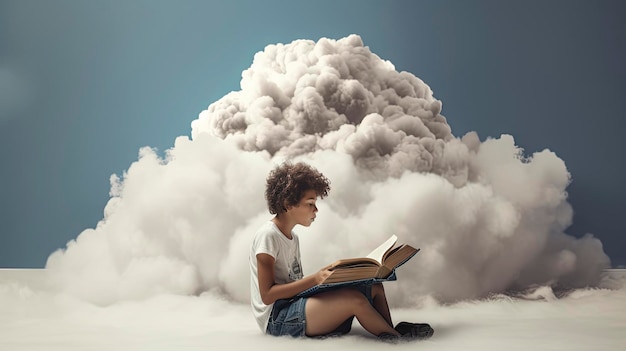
x,y
276,273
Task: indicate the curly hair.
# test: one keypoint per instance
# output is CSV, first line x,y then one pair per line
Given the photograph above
x,y
287,183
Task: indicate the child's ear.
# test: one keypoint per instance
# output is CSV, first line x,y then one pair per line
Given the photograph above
x,y
286,207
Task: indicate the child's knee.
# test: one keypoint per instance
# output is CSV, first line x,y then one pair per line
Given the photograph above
x,y
355,297
378,289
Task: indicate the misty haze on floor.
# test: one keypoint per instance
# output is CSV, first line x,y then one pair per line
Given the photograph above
x,y
167,266
34,318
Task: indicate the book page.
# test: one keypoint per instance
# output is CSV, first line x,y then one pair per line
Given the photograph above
x,y
349,262
351,274
380,251
399,256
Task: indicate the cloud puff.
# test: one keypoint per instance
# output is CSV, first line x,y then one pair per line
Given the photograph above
x,y
487,218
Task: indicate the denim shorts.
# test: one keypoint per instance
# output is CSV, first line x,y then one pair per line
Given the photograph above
x,y
288,317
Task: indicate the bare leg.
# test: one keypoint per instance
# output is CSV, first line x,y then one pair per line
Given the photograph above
x,y
379,300
326,311
415,330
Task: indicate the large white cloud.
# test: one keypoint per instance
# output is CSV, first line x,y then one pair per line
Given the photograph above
x,y
487,218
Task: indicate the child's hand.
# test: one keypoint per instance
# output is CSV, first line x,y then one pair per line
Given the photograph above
x,y
322,275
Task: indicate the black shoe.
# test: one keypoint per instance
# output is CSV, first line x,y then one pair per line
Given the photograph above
x,y
414,330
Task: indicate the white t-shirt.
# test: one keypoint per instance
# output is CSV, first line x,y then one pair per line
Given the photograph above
x,y
287,267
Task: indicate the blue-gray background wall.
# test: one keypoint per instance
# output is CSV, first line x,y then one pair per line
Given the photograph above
x,y
85,84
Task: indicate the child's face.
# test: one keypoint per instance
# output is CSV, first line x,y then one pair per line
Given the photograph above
x,y
304,212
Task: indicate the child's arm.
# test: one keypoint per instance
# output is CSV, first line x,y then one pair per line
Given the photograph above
x,y
270,291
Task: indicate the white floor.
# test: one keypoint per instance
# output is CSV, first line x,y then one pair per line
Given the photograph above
x,y
32,318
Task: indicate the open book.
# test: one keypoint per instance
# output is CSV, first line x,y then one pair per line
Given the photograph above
x,y
379,264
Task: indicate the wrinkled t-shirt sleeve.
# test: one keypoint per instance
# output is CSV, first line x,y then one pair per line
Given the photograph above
x,y
266,243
